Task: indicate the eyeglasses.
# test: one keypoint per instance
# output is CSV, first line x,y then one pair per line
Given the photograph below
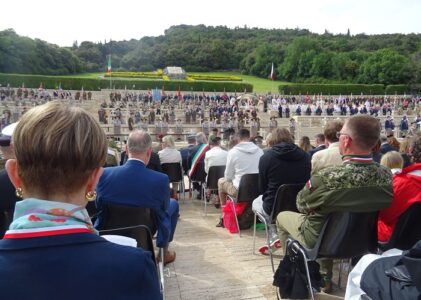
x,y
338,134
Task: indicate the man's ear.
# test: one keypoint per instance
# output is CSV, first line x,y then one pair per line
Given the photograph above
x,y
12,171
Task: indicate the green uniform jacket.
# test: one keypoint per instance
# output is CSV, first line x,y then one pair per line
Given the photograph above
x,y
352,186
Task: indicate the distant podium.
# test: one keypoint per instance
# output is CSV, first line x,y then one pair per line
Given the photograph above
x,y
175,73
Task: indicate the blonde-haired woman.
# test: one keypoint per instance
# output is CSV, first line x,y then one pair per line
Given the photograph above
x,y
51,246
392,160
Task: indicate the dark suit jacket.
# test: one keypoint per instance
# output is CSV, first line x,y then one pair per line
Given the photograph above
x,y
155,163
185,154
314,150
384,148
75,266
133,184
7,202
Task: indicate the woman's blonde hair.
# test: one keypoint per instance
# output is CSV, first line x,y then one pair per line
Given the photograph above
x,y
168,141
392,160
405,145
57,147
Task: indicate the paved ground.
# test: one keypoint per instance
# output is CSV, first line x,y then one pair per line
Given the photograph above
x,y
214,264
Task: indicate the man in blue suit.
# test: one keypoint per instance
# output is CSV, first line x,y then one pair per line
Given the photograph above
x,y
132,184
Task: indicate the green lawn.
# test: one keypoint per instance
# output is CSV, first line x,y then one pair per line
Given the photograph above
x,y
260,85
85,75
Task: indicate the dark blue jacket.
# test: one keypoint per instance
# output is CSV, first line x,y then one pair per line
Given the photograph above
x,y
281,164
133,184
75,266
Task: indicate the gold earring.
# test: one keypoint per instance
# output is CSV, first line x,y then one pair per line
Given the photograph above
x,y
90,196
19,192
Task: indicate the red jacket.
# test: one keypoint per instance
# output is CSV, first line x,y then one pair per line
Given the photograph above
x,y
406,191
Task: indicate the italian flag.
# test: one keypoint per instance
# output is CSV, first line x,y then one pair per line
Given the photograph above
x,y
109,64
272,73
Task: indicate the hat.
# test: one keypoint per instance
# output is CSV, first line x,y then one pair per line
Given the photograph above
x,y
7,132
191,138
214,140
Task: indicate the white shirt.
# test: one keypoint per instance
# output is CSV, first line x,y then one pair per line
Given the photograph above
x,y
242,159
169,155
215,157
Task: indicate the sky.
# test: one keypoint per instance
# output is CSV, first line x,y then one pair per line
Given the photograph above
x,y
63,22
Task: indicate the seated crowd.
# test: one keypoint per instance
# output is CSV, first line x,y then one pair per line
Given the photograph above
x,y
51,221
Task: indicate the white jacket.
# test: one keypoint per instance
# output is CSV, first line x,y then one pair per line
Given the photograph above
x,y
215,157
169,155
242,159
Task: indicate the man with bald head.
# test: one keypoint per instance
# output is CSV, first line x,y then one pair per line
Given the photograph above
x,y
132,184
358,184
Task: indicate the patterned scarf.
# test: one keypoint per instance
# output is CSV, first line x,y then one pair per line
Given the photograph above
x,y
35,218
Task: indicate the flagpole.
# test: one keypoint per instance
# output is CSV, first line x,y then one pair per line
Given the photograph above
x,y
109,70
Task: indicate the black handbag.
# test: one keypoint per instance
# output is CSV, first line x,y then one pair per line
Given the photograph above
x,y
291,279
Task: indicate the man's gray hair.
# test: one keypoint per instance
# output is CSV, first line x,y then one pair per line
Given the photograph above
x,y
201,138
139,141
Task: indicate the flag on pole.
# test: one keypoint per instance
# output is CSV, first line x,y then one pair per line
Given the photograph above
x,y
179,93
109,64
272,73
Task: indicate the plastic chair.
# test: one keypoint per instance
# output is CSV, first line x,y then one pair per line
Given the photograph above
x,y
285,200
143,237
344,235
407,230
118,217
211,184
248,190
175,175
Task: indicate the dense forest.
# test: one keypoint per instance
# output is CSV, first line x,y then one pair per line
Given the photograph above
x,y
298,55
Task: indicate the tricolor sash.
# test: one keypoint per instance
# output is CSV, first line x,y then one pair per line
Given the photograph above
x,y
197,157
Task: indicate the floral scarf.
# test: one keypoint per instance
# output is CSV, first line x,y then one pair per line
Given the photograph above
x,y
35,217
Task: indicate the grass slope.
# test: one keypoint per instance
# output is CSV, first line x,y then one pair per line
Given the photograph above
x,y
260,85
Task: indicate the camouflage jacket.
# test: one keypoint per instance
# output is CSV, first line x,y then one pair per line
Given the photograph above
x,y
353,186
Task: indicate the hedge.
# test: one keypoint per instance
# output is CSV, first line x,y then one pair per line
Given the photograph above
x,y
215,77
95,84
135,75
332,89
398,89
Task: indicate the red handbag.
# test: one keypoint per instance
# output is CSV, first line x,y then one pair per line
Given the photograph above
x,y
229,218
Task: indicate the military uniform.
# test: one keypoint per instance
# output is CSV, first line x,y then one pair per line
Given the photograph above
x,y
358,185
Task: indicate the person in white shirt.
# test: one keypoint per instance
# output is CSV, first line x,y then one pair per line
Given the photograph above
x,y
242,159
169,154
216,156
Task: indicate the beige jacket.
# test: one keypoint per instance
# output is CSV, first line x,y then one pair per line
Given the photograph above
x,y
326,158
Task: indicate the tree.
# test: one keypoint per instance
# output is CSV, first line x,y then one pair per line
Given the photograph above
x,y
385,66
